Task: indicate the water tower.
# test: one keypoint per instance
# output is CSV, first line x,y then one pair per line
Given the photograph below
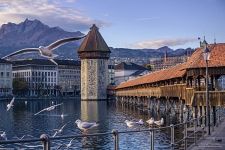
x,y
94,54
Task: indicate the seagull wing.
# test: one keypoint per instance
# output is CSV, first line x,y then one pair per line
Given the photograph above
x,y
12,101
60,42
61,146
56,105
63,126
26,50
87,125
40,111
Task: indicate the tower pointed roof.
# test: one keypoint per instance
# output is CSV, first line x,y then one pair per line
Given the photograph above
x,y
93,42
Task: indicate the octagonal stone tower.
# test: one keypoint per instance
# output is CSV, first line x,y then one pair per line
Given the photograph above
x,y
94,54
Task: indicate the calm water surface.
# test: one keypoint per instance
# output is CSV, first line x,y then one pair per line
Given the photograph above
x,y
20,121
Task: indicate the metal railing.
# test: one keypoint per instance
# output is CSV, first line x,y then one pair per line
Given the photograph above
x,y
46,139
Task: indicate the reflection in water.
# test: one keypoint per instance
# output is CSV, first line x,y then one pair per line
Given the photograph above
x,y
20,120
93,110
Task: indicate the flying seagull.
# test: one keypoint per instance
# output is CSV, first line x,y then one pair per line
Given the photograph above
x,y
10,105
46,51
85,125
24,136
48,108
59,130
66,145
3,135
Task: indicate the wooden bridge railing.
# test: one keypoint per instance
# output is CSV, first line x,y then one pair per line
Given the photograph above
x,y
190,95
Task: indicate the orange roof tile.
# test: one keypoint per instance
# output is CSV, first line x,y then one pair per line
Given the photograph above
x,y
170,73
217,57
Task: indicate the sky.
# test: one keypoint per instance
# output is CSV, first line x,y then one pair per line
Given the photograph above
x,y
128,23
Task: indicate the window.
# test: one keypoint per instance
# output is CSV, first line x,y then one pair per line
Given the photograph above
x,y
2,74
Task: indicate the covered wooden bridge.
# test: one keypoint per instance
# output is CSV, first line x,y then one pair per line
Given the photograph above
x,y
183,84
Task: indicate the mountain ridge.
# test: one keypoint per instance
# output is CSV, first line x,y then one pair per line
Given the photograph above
x,y
33,33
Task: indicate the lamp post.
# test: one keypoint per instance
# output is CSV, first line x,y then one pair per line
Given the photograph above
x,y
206,55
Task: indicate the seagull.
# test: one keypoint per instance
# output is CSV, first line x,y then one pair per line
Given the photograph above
x,y
3,135
46,51
159,122
85,125
133,123
48,108
27,135
67,145
59,130
150,121
10,105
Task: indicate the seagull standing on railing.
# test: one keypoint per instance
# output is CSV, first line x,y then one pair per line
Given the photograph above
x,y
150,121
46,51
159,122
85,125
10,105
3,135
133,123
48,108
59,130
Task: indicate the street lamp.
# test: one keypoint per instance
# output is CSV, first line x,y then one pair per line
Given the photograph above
x,y
206,56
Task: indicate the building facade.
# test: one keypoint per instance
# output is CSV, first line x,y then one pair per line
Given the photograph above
x,y
5,78
69,77
94,55
127,70
111,74
39,77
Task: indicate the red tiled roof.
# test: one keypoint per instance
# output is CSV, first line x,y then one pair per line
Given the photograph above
x,y
217,59
170,73
93,42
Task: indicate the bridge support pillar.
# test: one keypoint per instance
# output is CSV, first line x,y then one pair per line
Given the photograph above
x,y
205,120
181,110
214,115
200,114
195,112
158,104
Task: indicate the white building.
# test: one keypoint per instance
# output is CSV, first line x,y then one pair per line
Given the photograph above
x,y
111,74
5,78
69,77
40,75
125,71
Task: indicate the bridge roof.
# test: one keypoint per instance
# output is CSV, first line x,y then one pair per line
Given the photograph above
x,y
217,59
170,73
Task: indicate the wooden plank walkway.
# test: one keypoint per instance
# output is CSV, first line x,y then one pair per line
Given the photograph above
x,y
216,141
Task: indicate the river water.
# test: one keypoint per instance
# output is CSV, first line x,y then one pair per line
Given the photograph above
x,y
20,120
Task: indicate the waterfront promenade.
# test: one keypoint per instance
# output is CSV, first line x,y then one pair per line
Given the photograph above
x,y
216,141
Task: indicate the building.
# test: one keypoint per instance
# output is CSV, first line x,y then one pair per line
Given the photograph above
x,y
125,71
69,77
94,54
166,62
5,78
39,77
111,74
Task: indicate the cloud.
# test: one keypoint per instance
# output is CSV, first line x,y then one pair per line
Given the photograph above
x,y
163,42
51,13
